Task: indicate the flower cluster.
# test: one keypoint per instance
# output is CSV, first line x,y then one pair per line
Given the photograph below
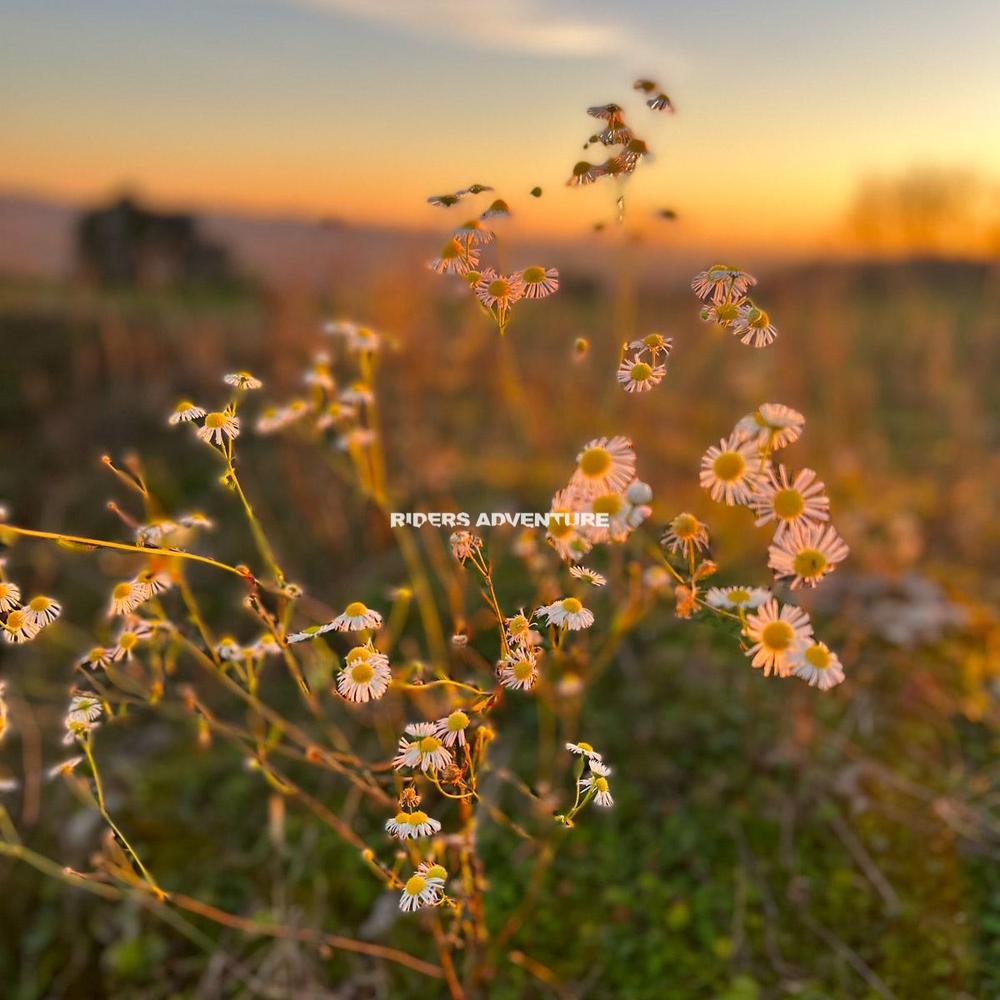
x,y
22,622
724,288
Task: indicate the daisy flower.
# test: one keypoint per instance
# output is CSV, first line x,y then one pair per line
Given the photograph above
x,y
655,343
436,875
519,672
184,412
426,751
724,314
83,715
585,173
127,596
617,509
685,534
561,533
355,618
64,767
722,283
242,380
790,502
582,749
606,112
97,657
464,544
569,613
538,282
18,627
637,375
590,576
807,553
455,259
417,893
737,597
635,149
597,780
366,676
518,626
816,664
451,729
753,326
228,649
41,611
499,292
773,424
10,596
129,638
605,465
219,426
474,233
411,825
775,636
499,209
728,472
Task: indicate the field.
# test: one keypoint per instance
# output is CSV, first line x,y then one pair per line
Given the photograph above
x,y
767,839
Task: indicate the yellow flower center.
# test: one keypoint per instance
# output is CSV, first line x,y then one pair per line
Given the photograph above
x,y
788,504
777,636
809,563
523,669
585,746
437,871
15,620
122,591
429,744
727,312
729,466
684,526
184,404
818,657
215,420
451,250
355,610
610,504
559,526
654,340
358,653
39,604
518,625
362,673
498,288
595,462
534,275
640,372
738,595
759,319
601,784
127,640
571,605
457,721
581,168
415,885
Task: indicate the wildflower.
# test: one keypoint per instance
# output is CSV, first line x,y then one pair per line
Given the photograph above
x,y
605,465
585,173
591,576
41,611
582,749
816,664
684,600
597,780
518,626
99,656
616,508
436,875
355,618
774,636
219,426
539,282
519,671
427,751
464,544
772,424
637,375
10,596
474,233
366,676
266,645
82,716
568,613
616,165
660,103
561,533
655,344
721,283
242,381
800,501
18,627
727,472
725,314
417,893
499,292
737,597
184,412
807,553
228,648
685,534
451,729
455,259
129,638
310,632
64,767
606,112
411,825
127,596
753,326
498,209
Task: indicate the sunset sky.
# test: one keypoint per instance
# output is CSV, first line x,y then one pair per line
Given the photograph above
x,y
361,108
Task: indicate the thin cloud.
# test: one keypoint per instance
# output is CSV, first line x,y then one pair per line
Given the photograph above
x,y
514,26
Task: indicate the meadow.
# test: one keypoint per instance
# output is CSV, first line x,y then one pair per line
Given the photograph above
x,y
767,838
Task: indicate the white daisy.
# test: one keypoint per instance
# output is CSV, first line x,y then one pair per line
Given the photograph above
x,y
775,636
538,282
564,536
41,611
754,327
451,729
219,426
366,676
685,534
737,597
411,825
788,502
815,663
185,411
127,596
597,780
655,344
582,749
637,375
591,576
99,656
771,423
355,618
417,893
426,751
729,471
807,553
10,596
519,671
721,282
18,628
242,380
129,638
567,613
605,465
64,767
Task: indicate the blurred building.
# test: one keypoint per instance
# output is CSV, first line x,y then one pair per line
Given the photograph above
x,y
128,245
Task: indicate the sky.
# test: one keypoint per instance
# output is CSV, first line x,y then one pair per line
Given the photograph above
x,y
360,109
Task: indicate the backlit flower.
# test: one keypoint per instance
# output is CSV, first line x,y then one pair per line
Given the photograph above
x,y
775,635
807,553
789,502
685,534
455,259
218,426
411,825
242,380
585,173
772,424
185,411
519,671
366,675
737,597
10,596
356,617
597,780
721,283
754,327
425,750
568,613
451,729
581,749
729,470
417,893
538,282
41,611
604,465
655,344
127,596
816,664
637,375
590,576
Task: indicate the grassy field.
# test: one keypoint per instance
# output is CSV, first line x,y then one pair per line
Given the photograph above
x,y
767,840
